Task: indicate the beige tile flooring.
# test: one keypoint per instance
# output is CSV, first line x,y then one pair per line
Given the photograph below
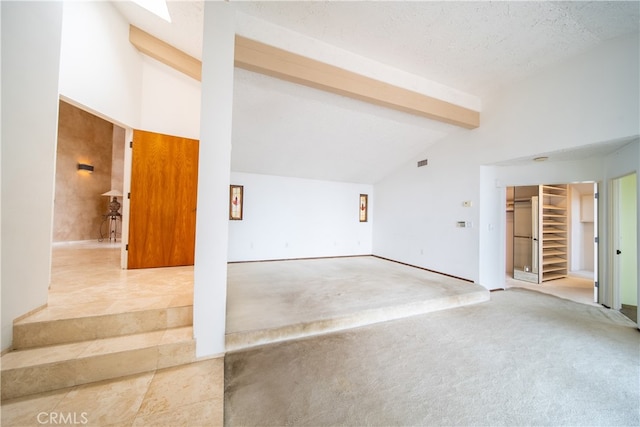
x,y
576,287
87,280
188,395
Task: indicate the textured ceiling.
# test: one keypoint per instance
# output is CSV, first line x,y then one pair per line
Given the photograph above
x,y
476,47
479,48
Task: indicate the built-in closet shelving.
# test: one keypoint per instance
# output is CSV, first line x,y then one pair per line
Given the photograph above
x,y
554,236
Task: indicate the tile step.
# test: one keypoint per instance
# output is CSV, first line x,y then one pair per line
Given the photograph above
x,y
37,370
30,334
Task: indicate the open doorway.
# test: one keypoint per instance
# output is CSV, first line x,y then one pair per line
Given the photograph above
x,y
87,278
551,239
624,207
89,178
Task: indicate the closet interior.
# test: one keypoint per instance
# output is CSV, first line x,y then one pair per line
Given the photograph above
x,y
540,232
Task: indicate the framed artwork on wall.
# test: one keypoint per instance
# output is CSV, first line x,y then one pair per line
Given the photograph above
x,y
235,201
364,201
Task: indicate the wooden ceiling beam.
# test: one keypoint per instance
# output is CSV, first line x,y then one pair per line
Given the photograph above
x,y
261,58
165,53
258,57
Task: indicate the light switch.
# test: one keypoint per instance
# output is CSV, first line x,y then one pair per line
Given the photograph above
x,y
467,203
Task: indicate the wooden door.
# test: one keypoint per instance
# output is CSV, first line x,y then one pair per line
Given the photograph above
x,y
164,183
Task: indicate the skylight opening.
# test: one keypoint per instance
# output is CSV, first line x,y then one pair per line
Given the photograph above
x,y
157,7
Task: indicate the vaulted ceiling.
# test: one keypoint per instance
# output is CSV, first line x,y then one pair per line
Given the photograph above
x,y
475,48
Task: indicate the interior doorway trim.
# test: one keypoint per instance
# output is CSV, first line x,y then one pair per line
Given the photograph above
x,y
616,234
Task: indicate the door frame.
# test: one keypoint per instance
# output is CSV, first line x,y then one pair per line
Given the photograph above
x,y
126,190
597,248
614,238
596,242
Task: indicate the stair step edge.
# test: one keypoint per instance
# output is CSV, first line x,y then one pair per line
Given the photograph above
x,y
49,355
39,318
66,331
19,382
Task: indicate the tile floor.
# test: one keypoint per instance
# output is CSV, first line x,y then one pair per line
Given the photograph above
x,y
87,280
187,395
578,287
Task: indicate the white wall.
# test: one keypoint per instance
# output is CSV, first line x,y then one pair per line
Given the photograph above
x,y
416,212
100,71
30,64
588,99
170,101
287,218
591,98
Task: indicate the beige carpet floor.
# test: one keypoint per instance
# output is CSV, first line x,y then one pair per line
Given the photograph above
x,y
522,359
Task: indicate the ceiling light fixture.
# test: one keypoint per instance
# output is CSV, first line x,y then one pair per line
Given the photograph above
x,y
540,159
157,7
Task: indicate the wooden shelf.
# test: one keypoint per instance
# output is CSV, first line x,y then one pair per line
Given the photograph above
x,y
554,276
553,237
552,252
553,214
554,244
554,268
550,259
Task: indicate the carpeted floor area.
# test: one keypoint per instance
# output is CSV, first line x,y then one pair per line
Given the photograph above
x,y
522,359
274,301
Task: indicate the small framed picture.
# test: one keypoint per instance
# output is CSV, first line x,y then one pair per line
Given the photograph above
x,y
364,201
235,201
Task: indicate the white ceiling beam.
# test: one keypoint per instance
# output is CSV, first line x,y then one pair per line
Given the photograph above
x,y
258,57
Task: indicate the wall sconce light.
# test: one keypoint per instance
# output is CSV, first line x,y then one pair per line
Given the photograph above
x,y
85,167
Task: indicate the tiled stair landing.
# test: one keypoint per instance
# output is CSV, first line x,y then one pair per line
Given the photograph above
x,y
54,354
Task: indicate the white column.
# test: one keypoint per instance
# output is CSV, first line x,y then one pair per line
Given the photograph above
x,y
210,272
31,33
